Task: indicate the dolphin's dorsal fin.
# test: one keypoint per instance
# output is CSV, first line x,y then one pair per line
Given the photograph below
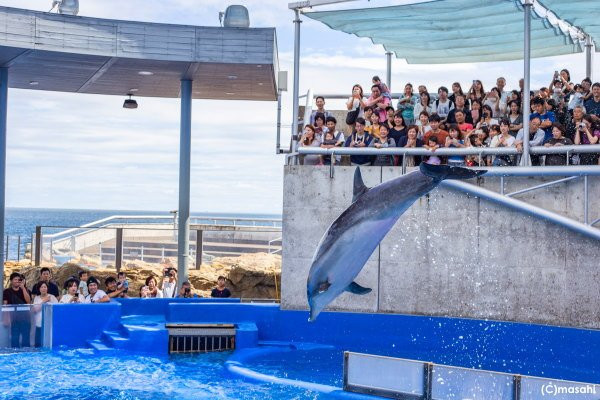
x,y
359,185
357,289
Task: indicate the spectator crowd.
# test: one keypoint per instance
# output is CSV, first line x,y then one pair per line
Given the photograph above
x,y
564,113
79,289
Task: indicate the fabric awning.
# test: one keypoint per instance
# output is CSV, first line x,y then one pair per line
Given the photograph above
x,y
452,31
583,14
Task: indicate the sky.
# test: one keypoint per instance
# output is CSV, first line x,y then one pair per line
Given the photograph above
x,y
86,151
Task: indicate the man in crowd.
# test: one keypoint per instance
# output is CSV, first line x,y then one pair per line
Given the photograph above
x,y
546,117
95,294
536,137
186,291
169,283
592,106
501,84
378,102
320,101
45,276
459,106
464,126
19,321
439,134
359,139
587,89
112,290
443,104
220,290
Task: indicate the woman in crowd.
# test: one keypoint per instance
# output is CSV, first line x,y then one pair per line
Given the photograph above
x,y
355,106
38,301
558,139
487,118
503,139
383,142
72,295
152,288
453,140
319,128
515,117
475,111
309,139
515,95
457,89
575,122
399,128
587,133
423,104
411,140
494,100
407,102
476,92
475,138
423,124
565,78
373,129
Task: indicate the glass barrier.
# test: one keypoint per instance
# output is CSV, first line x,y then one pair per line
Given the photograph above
x,y
460,383
21,326
384,374
541,388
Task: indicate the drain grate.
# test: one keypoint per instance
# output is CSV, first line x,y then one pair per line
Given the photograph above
x,y
200,338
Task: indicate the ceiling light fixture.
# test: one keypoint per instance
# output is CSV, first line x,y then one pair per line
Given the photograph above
x,y
130,103
145,73
34,83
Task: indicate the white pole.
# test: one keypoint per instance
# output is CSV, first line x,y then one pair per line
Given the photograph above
x,y
185,144
388,75
525,159
296,90
589,44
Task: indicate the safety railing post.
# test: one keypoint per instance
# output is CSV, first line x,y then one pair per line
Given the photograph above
x,y
199,244
119,250
38,246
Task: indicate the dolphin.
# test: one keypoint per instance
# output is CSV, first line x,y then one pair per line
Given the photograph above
x,y
355,234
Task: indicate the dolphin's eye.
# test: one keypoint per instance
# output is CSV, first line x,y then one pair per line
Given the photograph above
x,y
324,286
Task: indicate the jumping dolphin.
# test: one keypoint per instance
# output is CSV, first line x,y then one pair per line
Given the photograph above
x,y
355,234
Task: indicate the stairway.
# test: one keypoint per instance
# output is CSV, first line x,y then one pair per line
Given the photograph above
x,y
136,333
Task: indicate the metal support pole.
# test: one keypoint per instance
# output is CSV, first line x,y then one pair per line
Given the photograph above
x,y
119,250
296,89
6,250
586,200
185,143
38,246
388,74
588,56
199,244
525,158
3,109
278,144
19,248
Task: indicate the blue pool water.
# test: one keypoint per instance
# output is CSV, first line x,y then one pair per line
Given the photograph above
x,y
72,374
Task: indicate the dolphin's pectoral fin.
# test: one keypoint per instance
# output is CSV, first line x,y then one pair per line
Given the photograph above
x,y
323,286
357,289
359,185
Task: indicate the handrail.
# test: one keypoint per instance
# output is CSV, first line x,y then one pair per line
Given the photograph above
x,y
447,151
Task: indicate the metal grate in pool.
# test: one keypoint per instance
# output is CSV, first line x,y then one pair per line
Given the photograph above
x,y
200,338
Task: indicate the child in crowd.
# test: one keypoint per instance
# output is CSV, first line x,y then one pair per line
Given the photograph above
x,y
454,140
328,142
122,282
576,98
83,288
432,145
383,88
373,129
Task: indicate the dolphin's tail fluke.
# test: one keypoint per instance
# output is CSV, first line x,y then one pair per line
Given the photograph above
x,y
441,172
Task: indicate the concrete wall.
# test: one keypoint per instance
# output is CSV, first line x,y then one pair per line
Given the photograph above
x,y
451,254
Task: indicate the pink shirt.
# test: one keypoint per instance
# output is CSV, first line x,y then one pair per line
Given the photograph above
x,y
382,113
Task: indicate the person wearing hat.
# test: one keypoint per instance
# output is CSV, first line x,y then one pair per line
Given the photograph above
x,y
95,295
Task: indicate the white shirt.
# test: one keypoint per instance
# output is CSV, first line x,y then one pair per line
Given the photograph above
x,y
442,108
508,141
97,296
83,288
67,298
537,140
38,310
420,108
355,105
169,289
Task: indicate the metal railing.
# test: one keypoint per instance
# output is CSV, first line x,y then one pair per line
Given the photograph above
x,y
399,378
